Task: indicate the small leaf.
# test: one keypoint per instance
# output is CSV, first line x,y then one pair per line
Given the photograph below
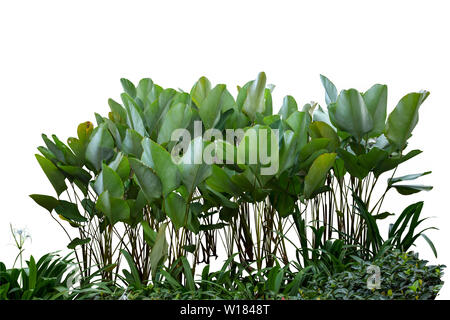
x,y
78,242
391,181
410,189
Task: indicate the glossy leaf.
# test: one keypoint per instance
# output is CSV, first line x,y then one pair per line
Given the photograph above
x,y
100,147
254,102
200,90
319,129
109,180
210,109
160,160
318,172
410,189
404,118
350,114
408,177
55,176
178,117
175,207
192,167
69,211
147,179
47,202
78,242
289,107
132,143
114,209
330,90
376,102
160,250
135,117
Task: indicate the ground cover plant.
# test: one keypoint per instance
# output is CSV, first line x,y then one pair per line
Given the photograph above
x,y
168,180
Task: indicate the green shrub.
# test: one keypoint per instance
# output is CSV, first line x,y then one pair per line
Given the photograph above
x,y
403,276
45,279
124,197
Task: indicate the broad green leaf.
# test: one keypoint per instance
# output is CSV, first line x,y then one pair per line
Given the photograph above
x,y
211,107
330,90
178,117
55,176
135,116
288,150
155,112
128,87
76,173
410,189
114,209
254,102
318,172
404,118
78,242
284,204
58,153
119,113
160,160
192,167
220,181
352,164
100,147
392,162
121,166
259,150
350,114
289,107
147,179
69,211
299,122
319,129
144,90
109,180
313,146
373,158
200,90
160,250
132,143
175,208
84,131
376,102
47,202
149,233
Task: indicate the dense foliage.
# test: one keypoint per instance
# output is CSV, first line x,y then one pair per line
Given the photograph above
x,y
131,188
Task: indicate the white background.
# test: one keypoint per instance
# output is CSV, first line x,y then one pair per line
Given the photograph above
x,y
61,61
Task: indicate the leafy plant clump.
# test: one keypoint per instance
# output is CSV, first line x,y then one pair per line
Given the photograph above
x,y
169,180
